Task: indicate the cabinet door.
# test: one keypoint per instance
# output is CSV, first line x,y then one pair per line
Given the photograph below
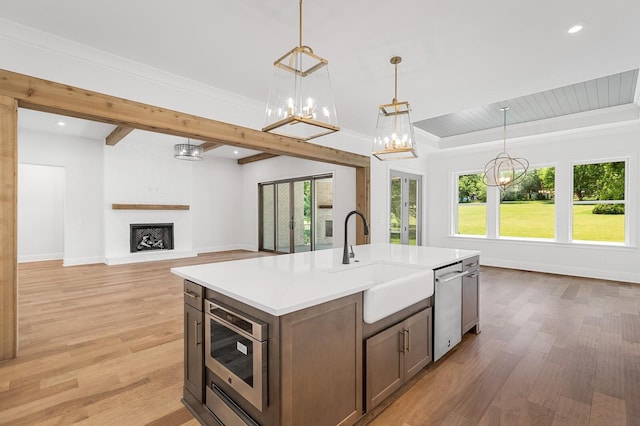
x,y
384,364
193,352
417,350
470,300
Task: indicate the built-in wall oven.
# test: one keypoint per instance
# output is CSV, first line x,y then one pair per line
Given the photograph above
x,y
236,351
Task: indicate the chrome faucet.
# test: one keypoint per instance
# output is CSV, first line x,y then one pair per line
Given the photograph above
x,y
345,253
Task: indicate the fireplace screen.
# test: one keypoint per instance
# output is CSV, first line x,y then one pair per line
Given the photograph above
x,y
151,236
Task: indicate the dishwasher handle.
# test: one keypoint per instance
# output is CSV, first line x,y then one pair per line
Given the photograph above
x,y
450,277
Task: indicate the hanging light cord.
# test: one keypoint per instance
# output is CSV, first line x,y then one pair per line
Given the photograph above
x,y
300,18
504,129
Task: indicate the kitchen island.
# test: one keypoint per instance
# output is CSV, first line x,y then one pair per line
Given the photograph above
x,y
303,338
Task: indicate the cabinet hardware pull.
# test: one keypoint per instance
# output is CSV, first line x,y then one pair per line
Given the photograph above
x,y
471,265
197,335
191,295
473,275
451,277
406,341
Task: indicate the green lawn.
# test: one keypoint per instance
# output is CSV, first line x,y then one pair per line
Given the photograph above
x,y
535,219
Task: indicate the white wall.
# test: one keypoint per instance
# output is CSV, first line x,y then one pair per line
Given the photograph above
x,y
40,212
559,150
217,206
81,159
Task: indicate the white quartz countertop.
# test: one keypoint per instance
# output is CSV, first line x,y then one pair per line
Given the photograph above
x,y
283,284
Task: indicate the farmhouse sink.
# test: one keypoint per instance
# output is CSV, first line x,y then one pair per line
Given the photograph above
x,y
397,286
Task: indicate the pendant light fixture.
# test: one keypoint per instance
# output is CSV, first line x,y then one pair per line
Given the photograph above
x,y
504,170
394,138
186,151
300,101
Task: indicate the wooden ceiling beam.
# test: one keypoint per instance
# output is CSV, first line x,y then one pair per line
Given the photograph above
x,y
208,146
43,95
117,135
257,157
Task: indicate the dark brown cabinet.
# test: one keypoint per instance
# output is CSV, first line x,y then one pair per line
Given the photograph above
x,y
193,341
395,355
470,299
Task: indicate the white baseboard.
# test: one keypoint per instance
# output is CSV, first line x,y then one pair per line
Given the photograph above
x,y
150,257
603,274
214,249
75,261
40,257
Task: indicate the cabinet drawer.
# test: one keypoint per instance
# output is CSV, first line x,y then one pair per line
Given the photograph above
x,y
193,294
471,263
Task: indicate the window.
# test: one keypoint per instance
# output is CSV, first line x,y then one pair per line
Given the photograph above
x,y
405,210
296,214
527,208
599,202
471,205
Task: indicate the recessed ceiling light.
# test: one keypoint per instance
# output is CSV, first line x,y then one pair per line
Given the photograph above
x,y
574,29
61,123
235,151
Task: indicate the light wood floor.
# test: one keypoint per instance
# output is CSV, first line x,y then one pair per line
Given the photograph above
x,y
102,345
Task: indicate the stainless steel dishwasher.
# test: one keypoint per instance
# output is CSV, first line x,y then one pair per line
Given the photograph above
x,y
447,308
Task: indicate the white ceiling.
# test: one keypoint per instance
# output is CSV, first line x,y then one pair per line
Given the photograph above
x,y
456,54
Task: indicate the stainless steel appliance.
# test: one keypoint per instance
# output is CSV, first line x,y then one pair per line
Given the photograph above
x,y
236,351
447,310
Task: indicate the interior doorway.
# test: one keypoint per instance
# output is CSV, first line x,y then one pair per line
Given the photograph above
x,y
405,211
296,215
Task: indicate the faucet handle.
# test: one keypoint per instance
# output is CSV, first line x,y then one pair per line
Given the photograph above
x,y
352,254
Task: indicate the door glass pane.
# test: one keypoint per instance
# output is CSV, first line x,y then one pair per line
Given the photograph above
x,y
395,219
413,212
268,218
283,218
302,215
323,214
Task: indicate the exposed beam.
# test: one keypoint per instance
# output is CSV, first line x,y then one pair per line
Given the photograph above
x,y
48,96
208,146
117,135
8,227
363,200
257,157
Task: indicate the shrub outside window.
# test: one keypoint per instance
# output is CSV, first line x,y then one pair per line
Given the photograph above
x,y
599,202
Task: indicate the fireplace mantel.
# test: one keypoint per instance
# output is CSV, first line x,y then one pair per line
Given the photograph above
x,y
149,206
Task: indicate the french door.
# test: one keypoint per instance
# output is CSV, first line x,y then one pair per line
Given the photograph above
x,y
296,215
405,214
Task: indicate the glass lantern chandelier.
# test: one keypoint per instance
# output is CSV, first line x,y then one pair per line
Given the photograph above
x,y
300,101
504,170
394,138
186,151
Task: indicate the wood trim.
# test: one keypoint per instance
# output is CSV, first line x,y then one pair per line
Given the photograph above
x,y
149,207
363,200
208,146
117,135
48,96
8,228
257,157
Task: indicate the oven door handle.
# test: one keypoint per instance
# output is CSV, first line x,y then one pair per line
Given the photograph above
x,y
231,326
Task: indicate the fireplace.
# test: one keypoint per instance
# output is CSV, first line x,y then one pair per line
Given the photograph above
x,y
151,236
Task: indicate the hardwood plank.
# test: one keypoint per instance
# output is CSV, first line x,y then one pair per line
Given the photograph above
x,y
48,96
607,410
8,227
571,413
119,133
